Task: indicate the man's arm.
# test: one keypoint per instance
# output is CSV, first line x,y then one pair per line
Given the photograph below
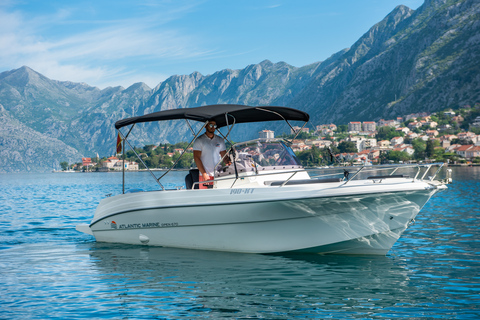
x,y
196,156
226,159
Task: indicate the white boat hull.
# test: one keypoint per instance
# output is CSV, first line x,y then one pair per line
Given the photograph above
x,y
361,218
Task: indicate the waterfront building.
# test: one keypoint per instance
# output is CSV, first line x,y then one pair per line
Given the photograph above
x,y
354,126
369,126
266,134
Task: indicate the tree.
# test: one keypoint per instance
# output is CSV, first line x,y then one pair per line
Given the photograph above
x,y
475,130
64,165
430,148
420,146
301,136
342,128
387,133
398,156
305,135
312,157
152,162
439,154
185,162
383,158
347,147
461,141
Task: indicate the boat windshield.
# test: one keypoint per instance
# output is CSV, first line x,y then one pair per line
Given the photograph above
x,y
265,153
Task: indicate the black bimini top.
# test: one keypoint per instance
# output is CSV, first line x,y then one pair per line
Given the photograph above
x,y
218,112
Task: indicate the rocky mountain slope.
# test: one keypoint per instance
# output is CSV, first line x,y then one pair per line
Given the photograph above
x,y
411,61
23,149
78,116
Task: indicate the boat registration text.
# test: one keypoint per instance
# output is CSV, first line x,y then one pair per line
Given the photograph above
x,y
242,191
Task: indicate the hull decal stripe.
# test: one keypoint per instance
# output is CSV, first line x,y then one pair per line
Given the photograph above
x,y
210,224
238,203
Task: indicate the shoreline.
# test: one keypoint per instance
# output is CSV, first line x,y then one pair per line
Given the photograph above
x,y
157,169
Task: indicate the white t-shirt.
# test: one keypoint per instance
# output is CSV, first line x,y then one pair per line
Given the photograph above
x,y
210,149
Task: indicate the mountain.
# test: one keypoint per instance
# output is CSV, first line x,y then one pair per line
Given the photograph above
x,y
261,84
411,61
422,60
23,149
75,117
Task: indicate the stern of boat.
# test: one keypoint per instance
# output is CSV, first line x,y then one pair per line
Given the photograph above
x,y
85,228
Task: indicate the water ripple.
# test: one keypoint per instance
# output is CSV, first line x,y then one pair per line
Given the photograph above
x,y
50,271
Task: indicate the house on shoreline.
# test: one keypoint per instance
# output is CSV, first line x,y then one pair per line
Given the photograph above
x,y
115,164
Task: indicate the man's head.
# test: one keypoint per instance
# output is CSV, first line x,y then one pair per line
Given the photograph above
x,y
211,126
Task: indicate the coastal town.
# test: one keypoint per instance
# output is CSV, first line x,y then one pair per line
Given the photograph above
x,y
448,136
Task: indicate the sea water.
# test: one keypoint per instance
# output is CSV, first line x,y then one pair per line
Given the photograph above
x,y
48,270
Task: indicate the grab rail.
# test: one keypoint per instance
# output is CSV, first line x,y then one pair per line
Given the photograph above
x,y
362,169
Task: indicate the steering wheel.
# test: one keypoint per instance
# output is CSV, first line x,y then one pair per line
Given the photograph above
x,y
225,168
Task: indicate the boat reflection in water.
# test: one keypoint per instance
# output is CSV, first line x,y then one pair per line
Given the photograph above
x,y
173,282
266,202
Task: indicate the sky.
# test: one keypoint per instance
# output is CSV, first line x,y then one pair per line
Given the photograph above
x,y
118,43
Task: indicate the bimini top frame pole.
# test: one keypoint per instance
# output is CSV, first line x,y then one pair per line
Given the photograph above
x,y
124,138
281,116
184,150
137,155
218,113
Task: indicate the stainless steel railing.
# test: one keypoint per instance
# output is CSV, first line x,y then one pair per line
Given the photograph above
x,y
349,173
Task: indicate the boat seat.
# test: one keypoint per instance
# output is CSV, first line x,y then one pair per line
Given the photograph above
x,y
303,181
388,176
191,178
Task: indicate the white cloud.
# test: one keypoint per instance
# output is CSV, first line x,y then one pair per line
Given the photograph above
x,y
120,41
105,54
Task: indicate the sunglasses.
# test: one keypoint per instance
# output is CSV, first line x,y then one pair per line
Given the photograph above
x,y
212,126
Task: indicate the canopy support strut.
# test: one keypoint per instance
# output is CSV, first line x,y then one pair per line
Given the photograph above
x,y
139,158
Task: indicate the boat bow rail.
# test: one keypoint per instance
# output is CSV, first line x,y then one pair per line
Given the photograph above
x,y
375,174
392,171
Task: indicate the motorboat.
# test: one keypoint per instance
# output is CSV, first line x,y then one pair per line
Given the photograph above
x,y
266,201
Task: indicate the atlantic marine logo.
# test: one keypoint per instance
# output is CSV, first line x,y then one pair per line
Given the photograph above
x,y
113,225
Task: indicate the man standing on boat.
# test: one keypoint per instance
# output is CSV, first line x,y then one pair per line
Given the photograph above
x,y
208,149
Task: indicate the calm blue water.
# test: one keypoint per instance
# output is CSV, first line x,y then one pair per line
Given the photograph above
x,y
50,271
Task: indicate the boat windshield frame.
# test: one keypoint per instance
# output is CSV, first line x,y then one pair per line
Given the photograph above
x,y
286,158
